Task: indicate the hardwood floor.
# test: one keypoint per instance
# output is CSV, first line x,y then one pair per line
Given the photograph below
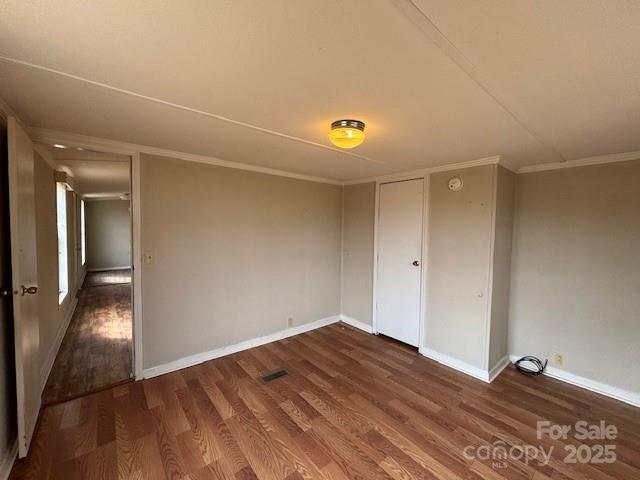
x,y
354,406
110,277
96,350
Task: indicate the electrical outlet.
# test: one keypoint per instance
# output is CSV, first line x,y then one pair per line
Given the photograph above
x,y
148,258
289,321
558,359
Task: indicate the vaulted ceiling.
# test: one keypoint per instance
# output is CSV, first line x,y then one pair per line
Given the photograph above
x,y
436,81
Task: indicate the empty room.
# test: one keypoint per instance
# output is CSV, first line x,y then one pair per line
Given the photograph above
x,y
390,239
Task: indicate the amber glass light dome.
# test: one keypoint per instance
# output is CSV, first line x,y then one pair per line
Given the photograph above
x,y
347,133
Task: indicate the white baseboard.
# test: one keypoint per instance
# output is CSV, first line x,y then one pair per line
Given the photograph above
x,y
626,396
82,277
365,327
498,368
238,347
46,367
109,269
7,462
456,364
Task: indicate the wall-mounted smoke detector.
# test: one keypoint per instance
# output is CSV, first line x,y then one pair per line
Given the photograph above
x,y
455,184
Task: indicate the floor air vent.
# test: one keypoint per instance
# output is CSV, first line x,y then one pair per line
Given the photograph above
x,y
269,377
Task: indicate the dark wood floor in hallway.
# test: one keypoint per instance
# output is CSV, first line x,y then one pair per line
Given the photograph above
x,y
354,406
96,350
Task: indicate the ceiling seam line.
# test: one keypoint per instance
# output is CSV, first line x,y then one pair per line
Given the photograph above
x,y
473,72
189,109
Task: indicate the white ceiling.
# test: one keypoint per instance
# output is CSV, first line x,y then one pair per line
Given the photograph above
x,y
436,81
95,174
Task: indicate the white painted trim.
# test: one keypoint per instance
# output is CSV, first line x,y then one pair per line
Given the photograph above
x,y
456,364
238,347
503,363
107,198
112,146
424,284
365,327
582,162
491,258
626,396
108,269
422,172
374,283
342,250
7,462
136,256
45,368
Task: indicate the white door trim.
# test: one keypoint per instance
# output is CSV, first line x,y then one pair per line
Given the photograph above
x,y
136,259
136,249
423,282
424,262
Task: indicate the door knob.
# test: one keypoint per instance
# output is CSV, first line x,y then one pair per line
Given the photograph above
x,y
29,290
415,263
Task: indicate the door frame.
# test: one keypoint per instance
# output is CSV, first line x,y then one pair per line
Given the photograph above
x,y
110,146
423,258
136,261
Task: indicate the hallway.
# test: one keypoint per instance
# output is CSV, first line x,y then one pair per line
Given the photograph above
x,y
96,350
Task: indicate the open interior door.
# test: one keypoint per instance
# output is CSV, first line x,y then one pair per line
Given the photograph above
x,y
24,280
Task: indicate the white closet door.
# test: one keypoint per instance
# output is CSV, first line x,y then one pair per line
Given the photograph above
x,y
400,260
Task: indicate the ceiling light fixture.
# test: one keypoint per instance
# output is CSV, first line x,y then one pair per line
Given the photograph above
x,y
347,133
59,145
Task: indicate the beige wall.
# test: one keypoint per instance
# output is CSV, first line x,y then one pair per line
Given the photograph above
x,y
575,276
501,274
458,265
108,234
235,253
52,315
357,266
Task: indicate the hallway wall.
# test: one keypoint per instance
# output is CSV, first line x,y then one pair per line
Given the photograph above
x,y
108,234
54,317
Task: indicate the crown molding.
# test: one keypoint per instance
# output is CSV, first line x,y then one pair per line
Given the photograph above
x,y
47,136
493,160
582,162
124,148
105,197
